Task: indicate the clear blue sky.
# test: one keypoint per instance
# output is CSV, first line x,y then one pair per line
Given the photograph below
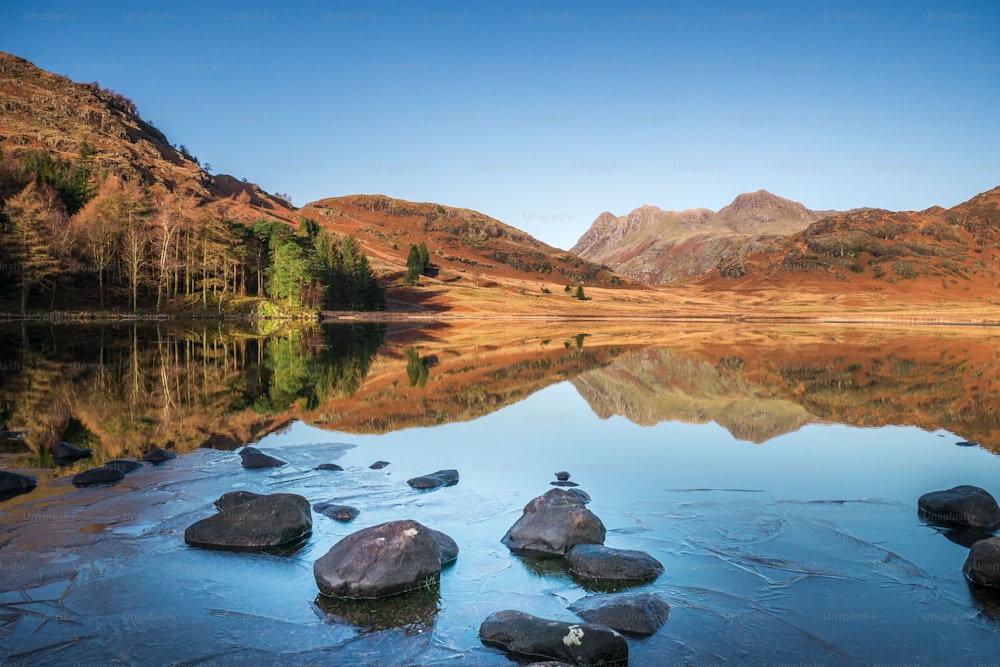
x,y
543,114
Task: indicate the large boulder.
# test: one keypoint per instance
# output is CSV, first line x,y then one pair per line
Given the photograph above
x,y
601,563
102,475
552,524
64,453
434,480
12,483
526,636
380,561
960,506
633,613
254,458
983,564
256,524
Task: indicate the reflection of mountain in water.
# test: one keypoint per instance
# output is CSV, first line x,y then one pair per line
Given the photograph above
x,y
651,386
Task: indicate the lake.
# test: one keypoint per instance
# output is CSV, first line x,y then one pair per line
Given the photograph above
x,y
772,470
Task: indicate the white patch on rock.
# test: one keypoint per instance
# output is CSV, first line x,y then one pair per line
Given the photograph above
x,y
574,636
410,532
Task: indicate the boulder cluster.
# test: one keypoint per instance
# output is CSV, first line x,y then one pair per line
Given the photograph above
x,y
971,514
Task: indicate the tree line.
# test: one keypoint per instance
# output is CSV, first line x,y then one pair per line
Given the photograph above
x,y
66,233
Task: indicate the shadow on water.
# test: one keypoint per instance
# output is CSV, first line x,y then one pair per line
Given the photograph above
x,y
413,611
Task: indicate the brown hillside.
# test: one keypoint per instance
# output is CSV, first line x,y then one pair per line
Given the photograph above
x,y
930,255
467,248
656,246
47,112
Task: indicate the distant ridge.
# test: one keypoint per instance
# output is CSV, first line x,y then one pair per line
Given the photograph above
x,y
655,246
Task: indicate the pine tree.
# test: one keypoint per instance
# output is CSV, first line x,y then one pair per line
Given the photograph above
x,y
414,267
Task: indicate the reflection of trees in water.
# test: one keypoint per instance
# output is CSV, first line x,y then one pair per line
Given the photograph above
x,y
124,388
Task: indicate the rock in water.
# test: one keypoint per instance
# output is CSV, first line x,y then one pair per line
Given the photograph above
x,y
329,466
598,562
124,465
552,524
254,458
101,475
434,480
12,483
342,513
158,456
378,465
380,561
260,523
234,498
63,453
983,564
562,476
447,547
634,613
960,506
527,636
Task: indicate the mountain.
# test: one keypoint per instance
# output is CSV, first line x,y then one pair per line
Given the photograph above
x,y
656,246
47,113
935,253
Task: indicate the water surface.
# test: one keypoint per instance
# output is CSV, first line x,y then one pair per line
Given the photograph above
x,y
774,473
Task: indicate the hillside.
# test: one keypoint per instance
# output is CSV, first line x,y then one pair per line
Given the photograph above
x,y
467,249
656,246
931,254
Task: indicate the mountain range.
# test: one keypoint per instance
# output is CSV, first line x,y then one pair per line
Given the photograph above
x,y
760,244
655,246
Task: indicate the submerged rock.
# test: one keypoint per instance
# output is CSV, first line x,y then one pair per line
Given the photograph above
x,y
596,561
342,513
983,564
960,506
259,523
380,561
634,613
158,456
552,524
563,483
254,458
12,484
378,465
101,475
329,466
125,465
434,480
527,636
64,453
234,498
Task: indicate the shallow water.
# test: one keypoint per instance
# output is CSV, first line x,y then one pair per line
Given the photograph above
x,y
804,549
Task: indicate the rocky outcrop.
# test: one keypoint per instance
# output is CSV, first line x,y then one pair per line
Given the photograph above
x,y
552,524
526,636
256,524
